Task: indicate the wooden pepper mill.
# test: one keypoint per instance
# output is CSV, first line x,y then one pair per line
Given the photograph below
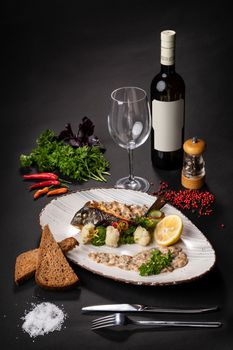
x,y
193,172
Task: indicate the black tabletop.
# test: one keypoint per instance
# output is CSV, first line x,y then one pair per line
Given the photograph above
x,y
60,62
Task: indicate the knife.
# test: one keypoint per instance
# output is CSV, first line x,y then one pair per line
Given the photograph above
x,y
145,308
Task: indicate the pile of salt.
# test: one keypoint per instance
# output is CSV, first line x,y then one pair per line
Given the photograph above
x,y
42,319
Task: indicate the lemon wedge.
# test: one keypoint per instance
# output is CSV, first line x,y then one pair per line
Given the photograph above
x,y
168,230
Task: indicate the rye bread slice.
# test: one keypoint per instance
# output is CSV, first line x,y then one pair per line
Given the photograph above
x,y
53,270
25,265
26,262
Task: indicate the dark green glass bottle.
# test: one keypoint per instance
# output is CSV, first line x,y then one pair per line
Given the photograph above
x,y
167,109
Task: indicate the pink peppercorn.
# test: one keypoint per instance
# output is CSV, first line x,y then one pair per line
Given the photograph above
x,y
194,200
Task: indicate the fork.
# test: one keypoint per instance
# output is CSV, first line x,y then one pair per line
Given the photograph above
x,y
120,319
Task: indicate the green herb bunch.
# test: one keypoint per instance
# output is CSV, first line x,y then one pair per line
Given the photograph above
x,y
78,164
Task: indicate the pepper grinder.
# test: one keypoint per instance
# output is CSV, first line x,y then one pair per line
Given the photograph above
x,y
193,172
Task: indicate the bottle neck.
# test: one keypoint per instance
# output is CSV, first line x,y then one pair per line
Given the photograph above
x,y
168,69
167,54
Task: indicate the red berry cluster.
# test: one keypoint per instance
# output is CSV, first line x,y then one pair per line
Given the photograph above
x,y
197,201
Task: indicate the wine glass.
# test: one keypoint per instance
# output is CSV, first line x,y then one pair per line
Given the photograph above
x,y
129,124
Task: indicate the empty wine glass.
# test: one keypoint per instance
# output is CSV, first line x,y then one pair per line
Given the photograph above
x,y
129,124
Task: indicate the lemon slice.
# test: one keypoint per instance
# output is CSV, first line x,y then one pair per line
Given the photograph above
x,y
168,230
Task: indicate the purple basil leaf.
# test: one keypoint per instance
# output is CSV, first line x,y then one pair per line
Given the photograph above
x,y
93,141
74,142
86,128
83,137
67,133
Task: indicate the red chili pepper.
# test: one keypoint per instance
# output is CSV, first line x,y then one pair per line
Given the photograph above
x,y
57,191
44,184
121,225
41,176
40,192
115,224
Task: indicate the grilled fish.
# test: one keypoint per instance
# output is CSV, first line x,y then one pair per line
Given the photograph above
x,y
106,212
88,214
100,212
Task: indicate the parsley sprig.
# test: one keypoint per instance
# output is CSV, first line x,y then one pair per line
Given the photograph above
x,y
156,263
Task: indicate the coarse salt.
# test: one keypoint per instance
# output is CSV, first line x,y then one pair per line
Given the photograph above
x,y
42,319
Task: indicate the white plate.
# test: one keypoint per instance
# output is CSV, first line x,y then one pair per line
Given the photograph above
x,y
60,211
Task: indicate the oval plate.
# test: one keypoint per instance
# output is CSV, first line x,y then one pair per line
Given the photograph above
x,y
60,211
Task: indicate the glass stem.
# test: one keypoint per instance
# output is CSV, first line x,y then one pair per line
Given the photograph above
x,y
131,173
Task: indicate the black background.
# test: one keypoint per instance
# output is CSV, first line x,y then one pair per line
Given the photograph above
x,y
60,62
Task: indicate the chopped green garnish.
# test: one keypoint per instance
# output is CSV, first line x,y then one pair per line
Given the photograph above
x,y
156,263
99,237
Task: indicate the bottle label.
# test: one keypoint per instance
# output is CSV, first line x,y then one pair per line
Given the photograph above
x,y
168,122
167,56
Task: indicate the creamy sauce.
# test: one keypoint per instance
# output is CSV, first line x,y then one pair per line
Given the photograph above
x,y
132,263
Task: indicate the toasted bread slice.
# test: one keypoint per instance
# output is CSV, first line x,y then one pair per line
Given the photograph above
x,y
25,265
53,270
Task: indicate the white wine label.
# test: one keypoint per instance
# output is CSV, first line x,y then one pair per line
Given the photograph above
x,y
167,122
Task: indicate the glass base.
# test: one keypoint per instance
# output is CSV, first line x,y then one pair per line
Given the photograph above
x,y
137,184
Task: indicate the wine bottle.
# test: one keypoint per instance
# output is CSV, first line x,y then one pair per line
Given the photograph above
x,y
167,107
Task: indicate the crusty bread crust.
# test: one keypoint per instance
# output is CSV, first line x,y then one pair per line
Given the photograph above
x,y
68,244
53,270
26,262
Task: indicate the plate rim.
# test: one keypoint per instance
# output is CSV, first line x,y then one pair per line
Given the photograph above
x,y
123,280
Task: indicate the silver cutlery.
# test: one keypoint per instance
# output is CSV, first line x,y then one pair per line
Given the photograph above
x,y
120,319
145,308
